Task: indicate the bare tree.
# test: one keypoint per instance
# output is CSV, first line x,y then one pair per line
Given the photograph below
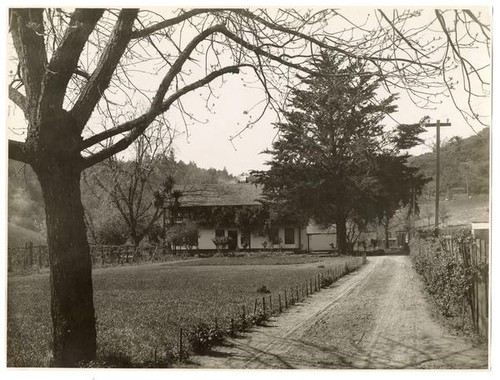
x,y
137,188
69,67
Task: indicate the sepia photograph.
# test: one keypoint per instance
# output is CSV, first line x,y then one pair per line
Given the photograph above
x,y
238,187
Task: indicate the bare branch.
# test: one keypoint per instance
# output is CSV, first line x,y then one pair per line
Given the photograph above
x,y
401,35
172,21
101,77
326,46
64,61
26,27
17,151
179,62
19,99
136,127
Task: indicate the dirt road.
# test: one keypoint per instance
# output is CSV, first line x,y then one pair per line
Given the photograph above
x,y
376,317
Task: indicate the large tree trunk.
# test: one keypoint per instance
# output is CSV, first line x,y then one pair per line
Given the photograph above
x,y
72,307
386,231
342,235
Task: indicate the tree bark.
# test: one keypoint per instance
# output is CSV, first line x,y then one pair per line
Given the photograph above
x,y
342,235
72,307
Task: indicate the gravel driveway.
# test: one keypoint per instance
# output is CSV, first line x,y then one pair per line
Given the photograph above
x,y
376,317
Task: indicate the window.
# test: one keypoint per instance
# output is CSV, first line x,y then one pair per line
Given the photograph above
x,y
219,233
289,235
274,237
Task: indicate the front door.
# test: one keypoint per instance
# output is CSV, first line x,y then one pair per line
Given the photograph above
x,y
233,239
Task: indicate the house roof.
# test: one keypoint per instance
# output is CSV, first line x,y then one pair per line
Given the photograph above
x,y
227,194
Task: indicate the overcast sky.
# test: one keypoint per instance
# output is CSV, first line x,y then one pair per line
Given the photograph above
x,y
209,143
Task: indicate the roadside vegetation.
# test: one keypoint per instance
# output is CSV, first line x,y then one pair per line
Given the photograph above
x,y
449,277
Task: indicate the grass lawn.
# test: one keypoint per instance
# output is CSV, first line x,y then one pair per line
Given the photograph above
x,y
140,309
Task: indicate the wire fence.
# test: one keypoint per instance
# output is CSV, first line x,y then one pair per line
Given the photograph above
x,y
35,258
475,254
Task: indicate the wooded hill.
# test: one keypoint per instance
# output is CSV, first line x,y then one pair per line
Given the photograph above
x,y
25,203
465,165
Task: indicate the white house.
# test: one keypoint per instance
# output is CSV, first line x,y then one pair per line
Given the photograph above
x,y
214,208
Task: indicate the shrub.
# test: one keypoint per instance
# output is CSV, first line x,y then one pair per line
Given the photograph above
x,y
183,235
221,243
326,281
203,337
259,317
263,289
111,231
446,276
243,322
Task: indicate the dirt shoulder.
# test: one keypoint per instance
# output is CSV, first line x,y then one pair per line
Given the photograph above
x,y
376,317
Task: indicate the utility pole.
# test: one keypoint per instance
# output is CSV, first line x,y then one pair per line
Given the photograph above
x,y
438,126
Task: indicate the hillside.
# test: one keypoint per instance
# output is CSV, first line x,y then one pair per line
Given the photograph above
x,y
456,211
26,212
19,236
464,165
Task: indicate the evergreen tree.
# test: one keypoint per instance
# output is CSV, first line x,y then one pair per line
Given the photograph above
x,y
333,160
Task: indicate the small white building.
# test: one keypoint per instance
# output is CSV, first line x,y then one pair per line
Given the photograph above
x,y
320,238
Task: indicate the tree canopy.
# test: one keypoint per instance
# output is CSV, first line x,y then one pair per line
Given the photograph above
x,y
333,160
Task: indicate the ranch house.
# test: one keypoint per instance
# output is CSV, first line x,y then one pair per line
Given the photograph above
x,y
235,210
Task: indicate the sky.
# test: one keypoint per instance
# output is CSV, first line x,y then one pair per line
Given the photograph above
x,y
210,146
209,143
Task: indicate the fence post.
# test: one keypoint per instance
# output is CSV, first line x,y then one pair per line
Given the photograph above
x,y
25,254
180,344
264,305
31,254
40,261
255,306
243,309
279,302
286,301
271,303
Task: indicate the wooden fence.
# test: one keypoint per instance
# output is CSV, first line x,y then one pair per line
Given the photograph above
x,y
476,254
31,258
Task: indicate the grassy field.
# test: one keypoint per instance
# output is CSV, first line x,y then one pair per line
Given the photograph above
x,y
140,309
255,259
